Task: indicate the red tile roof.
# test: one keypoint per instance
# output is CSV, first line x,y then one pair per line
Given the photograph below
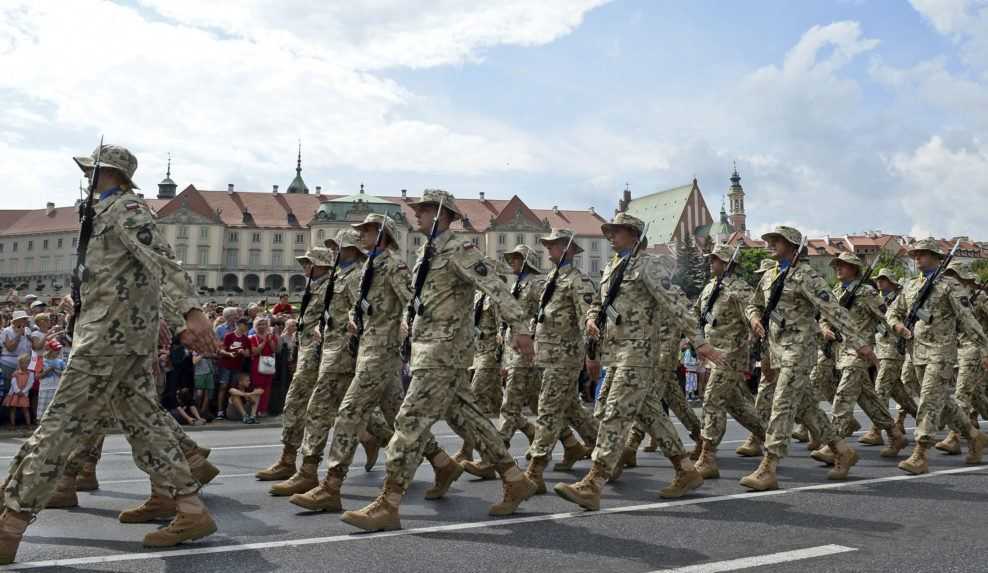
x,y
34,221
584,223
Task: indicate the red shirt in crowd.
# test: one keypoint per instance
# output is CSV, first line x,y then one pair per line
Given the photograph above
x,y
282,308
235,343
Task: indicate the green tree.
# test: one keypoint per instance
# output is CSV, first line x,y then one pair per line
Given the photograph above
x,y
748,262
980,268
691,268
896,264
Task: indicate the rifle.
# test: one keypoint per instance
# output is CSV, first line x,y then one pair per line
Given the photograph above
x,y
363,307
613,289
515,293
776,295
707,314
86,216
421,273
306,298
916,312
550,285
847,301
324,317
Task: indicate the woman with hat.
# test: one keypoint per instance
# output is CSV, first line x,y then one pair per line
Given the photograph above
x,y
15,340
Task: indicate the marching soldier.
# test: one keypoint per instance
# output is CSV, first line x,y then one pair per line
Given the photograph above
x,y
792,337
867,316
629,347
486,382
440,339
726,329
128,264
752,446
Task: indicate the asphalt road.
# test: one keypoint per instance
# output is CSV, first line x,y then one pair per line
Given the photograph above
x,y
880,520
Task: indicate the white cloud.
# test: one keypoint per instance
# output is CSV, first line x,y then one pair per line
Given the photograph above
x,y
965,21
947,16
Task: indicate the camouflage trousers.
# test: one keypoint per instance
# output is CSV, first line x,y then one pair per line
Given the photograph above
x,y
824,380
521,390
766,392
970,390
376,384
91,387
855,387
935,401
726,394
486,386
909,380
436,393
634,394
559,407
794,399
671,395
295,413
888,384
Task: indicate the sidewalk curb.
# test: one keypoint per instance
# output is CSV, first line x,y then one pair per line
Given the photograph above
x,y
215,426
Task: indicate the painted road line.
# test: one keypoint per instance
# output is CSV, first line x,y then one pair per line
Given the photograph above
x,y
761,560
493,523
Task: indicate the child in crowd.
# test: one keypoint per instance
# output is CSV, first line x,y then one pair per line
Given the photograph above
x,y
245,399
185,409
203,381
20,385
233,360
51,374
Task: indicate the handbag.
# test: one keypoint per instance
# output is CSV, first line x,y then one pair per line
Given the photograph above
x,y
266,365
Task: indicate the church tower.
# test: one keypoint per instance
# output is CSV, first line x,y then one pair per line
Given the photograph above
x,y
736,197
297,185
167,187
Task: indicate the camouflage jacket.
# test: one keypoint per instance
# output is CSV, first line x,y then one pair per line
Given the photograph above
x,y
388,296
886,340
442,333
308,338
485,333
968,349
793,328
130,270
336,356
949,315
559,339
671,332
633,339
867,317
529,294
727,328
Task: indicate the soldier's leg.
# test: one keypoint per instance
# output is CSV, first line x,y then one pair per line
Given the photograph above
x,y
293,417
517,393
719,387
486,386
968,374
364,395
676,399
555,402
653,420
846,396
581,420
320,412
605,388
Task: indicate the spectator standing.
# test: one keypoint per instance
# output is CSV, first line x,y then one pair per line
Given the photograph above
x,y
283,306
51,373
233,361
204,382
15,340
17,397
263,346
229,323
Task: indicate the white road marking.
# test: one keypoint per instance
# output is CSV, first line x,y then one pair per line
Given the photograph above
x,y
750,496
761,560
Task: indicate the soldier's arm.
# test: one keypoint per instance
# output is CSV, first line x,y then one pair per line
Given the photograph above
x,y
756,304
400,279
683,320
584,295
740,294
815,290
825,325
478,270
966,321
143,239
897,313
876,307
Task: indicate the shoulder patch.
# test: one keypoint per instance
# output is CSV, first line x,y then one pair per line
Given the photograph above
x,y
480,268
588,298
401,265
823,295
144,235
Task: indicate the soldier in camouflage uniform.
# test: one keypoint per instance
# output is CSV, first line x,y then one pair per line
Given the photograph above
x,y
629,347
440,341
128,266
970,390
867,314
726,329
316,264
944,316
752,446
486,382
792,338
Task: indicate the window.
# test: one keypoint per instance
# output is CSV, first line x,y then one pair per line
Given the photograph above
x,y
232,258
578,262
233,237
75,243
417,242
182,253
28,264
595,245
255,237
200,281
204,233
519,239
299,238
15,246
44,264
59,263
594,265
44,244
277,238
203,255
254,258
321,234
30,247
60,243
475,241
183,232
276,258
13,265
502,239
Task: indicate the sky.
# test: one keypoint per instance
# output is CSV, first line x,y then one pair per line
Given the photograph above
x,y
842,115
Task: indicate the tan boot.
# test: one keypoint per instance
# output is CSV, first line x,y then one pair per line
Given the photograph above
x,y
653,445
629,459
951,445
976,447
534,472
203,451
586,492
900,422
480,469
517,488
64,496
372,449
897,442
304,479
751,447
844,458
282,469
324,497
916,463
381,514
814,444
154,508
86,480
202,470
687,479
872,437
824,455
572,453
707,465
464,454
185,527
763,478
697,447
12,527
800,434
447,471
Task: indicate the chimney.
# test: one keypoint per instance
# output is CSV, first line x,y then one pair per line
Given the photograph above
x,y
50,208
229,187
482,196
274,189
555,209
592,211
404,194
318,189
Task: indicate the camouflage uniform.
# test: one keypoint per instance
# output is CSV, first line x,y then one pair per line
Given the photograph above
x,y
524,378
888,382
486,382
970,389
823,377
129,266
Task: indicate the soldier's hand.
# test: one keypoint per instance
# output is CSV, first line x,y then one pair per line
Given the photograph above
x,y
404,329
827,333
351,328
757,328
902,331
868,354
592,330
524,345
593,370
710,353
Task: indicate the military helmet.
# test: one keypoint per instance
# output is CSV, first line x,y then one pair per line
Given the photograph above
x,y
113,157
